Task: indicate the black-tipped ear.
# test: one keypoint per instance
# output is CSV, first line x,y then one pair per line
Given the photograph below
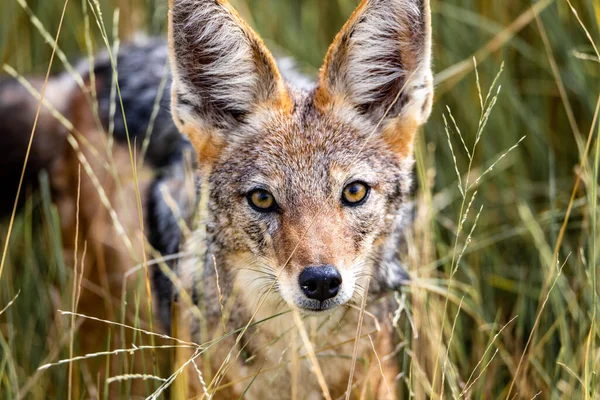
x,y
384,48
222,72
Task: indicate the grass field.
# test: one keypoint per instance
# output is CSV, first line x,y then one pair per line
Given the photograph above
x,y
505,249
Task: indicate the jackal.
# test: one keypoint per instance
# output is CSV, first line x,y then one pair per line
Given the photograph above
x,y
305,193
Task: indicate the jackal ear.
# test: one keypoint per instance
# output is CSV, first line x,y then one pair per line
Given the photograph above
x,y
222,73
379,64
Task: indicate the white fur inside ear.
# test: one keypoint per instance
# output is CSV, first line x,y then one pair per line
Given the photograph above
x,y
213,58
386,49
420,87
379,37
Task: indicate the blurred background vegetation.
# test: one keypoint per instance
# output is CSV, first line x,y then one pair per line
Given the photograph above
x,y
549,91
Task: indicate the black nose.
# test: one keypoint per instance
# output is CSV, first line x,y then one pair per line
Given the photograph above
x,y
320,282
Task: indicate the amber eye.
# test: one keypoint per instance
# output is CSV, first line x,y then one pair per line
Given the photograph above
x,y
355,193
261,200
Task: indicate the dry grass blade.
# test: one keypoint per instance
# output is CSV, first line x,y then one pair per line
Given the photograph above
x,y
572,373
537,320
201,379
110,353
361,316
295,366
468,387
459,180
380,365
10,303
172,378
491,167
155,109
223,313
35,21
559,82
468,239
176,212
35,121
311,354
249,384
75,291
458,131
447,357
587,33
146,332
586,57
120,378
468,384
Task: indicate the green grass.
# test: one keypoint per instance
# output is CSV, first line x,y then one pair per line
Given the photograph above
x,y
516,313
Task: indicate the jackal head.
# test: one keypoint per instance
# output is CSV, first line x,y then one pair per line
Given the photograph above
x,y
306,187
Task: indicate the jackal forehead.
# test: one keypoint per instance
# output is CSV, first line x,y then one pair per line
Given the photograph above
x,y
309,150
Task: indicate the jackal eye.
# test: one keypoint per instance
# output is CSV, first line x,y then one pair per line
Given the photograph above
x,y
261,201
355,194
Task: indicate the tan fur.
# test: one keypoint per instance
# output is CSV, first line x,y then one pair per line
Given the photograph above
x,y
401,136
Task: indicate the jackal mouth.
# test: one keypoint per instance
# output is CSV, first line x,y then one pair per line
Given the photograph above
x,y
314,307
318,307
